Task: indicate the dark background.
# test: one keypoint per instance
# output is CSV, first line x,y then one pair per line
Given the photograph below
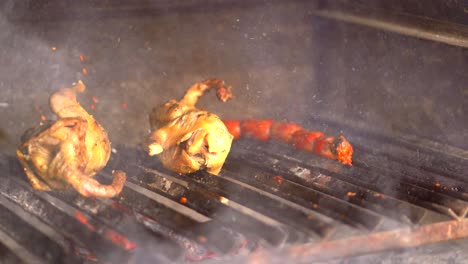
x,y
282,61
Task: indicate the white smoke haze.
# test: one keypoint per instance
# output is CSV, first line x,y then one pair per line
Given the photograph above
x,y
33,67
282,62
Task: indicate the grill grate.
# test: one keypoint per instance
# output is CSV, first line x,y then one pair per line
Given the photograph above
x,y
267,196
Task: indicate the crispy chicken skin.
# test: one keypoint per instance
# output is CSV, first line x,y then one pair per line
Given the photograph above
x,y
70,151
188,139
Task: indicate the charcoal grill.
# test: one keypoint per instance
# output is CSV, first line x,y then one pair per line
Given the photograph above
x,y
268,198
390,78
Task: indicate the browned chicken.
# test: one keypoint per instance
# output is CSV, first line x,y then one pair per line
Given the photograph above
x,y
69,151
188,139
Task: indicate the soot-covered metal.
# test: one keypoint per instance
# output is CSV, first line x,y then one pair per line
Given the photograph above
x,y
390,78
269,203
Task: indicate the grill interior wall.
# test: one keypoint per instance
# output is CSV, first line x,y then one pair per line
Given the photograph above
x,y
283,62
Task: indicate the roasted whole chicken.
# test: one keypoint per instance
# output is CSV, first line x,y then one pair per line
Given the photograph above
x,y
314,142
188,139
69,151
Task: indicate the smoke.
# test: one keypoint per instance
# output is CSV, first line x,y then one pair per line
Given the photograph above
x,y
282,62
34,65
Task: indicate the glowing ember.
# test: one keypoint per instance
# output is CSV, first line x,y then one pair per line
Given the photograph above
x,y
95,99
202,239
378,195
93,106
124,105
278,179
85,71
110,235
43,118
54,48
351,194
120,208
437,185
224,200
120,240
314,205
183,200
82,219
82,58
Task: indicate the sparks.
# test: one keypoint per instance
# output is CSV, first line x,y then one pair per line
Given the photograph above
x,y
124,105
54,48
85,71
183,200
43,118
82,58
278,179
351,194
93,106
95,100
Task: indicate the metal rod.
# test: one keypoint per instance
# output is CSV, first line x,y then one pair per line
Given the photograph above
x,y
395,26
395,239
19,250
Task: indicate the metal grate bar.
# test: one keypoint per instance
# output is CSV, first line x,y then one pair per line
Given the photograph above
x,y
386,182
8,255
29,237
267,194
100,214
318,201
435,182
288,213
15,251
213,206
31,201
215,237
355,194
415,156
